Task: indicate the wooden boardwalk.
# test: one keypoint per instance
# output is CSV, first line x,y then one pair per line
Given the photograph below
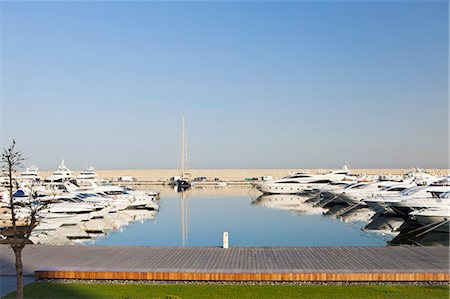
x,y
235,263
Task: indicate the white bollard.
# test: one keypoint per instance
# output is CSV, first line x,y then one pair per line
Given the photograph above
x,y
225,239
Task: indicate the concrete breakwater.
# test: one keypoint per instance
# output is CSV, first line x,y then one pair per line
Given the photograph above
x,y
234,174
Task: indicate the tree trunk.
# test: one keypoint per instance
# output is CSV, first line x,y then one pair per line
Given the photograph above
x,y
19,272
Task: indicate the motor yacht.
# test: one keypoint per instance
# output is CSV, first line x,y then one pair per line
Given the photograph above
x,y
299,182
355,194
87,174
61,175
414,198
29,176
119,197
423,198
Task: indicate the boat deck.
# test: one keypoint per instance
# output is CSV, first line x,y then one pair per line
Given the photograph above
x,y
400,263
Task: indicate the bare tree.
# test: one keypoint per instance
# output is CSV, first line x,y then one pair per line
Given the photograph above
x,y
19,233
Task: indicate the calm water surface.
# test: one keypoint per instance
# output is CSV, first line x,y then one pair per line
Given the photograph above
x,y
199,217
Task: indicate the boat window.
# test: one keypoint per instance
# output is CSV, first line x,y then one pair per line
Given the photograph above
x,y
299,176
113,192
396,189
320,182
357,186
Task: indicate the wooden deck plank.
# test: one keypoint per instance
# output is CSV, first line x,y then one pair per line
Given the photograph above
x,y
286,263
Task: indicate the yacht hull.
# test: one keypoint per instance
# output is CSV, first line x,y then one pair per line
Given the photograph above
x,y
269,188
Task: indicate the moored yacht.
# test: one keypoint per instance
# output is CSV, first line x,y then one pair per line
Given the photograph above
x,y
355,194
299,182
29,176
61,175
87,174
427,197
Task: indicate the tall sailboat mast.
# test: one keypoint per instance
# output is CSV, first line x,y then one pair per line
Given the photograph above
x,y
184,152
186,160
183,202
182,148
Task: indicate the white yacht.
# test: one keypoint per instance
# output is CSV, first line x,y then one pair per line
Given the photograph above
x,y
355,194
61,175
88,174
119,197
299,182
29,176
420,198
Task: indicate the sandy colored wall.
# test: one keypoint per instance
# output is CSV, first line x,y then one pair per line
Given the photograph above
x,y
230,174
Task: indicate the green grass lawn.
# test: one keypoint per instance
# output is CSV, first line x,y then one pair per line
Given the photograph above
x,y
80,290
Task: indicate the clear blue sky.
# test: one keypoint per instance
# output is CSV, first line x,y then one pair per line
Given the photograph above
x,y
262,84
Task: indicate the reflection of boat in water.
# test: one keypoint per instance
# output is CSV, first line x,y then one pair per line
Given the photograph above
x,y
49,238
72,232
97,225
433,238
69,231
116,220
358,215
438,217
350,213
336,209
182,185
288,202
385,224
141,214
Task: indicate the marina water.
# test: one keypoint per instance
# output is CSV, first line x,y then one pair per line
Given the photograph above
x,y
198,217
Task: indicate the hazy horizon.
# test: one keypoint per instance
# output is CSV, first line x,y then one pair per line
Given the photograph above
x,y
262,84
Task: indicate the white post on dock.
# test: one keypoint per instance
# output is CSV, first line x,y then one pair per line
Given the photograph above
x,y
225,239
